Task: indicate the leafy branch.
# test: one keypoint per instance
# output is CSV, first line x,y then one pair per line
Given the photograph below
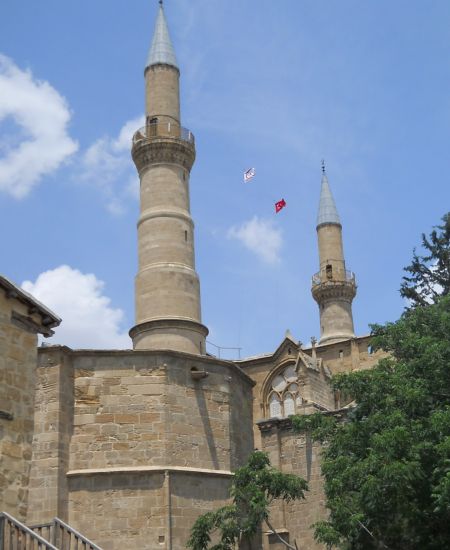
x,y
254,488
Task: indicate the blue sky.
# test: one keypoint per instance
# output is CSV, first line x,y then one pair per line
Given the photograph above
x,y
274,85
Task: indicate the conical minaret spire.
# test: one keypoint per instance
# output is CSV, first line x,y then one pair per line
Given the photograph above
x,y
167,290
333,287
161,49
327,207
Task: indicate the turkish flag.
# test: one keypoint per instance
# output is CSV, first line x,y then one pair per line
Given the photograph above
x,y
280,205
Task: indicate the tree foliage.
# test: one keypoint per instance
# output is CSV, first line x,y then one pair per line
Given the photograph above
x,y
254,487
429,274
387,465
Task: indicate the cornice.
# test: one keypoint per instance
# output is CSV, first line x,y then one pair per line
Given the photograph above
x,y
163,150
332,290
149,470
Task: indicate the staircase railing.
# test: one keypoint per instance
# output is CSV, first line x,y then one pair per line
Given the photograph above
x,y
62,536
17,536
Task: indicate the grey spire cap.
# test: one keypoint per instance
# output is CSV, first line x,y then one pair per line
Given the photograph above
x,y
161,50
327,207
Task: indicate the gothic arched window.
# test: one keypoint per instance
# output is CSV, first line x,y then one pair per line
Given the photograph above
x,y
284,398
275,406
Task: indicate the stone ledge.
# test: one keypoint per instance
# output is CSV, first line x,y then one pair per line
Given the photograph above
x,y
152,213
149,470
56,349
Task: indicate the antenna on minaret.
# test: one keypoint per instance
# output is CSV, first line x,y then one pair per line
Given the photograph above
x,y
323,162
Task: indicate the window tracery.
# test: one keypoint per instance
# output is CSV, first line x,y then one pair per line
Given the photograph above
x,y
284,398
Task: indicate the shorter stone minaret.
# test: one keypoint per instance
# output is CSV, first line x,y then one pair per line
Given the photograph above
x,y
333,287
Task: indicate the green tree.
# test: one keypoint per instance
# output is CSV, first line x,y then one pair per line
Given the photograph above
x,y
386,466
429,274
254,487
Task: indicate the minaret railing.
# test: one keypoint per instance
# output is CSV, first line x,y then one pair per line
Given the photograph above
x,y
338,275
157,130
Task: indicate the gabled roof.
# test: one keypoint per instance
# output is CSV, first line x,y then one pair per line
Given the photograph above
x,y
48,319
288,342
161,49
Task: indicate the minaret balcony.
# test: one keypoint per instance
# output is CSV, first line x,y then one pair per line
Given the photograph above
x,y
338,284
163,142
333,276
162,130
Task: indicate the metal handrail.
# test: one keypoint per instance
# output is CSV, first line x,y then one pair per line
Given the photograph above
x,y
220,348
14,534
339,275
156,130
63,535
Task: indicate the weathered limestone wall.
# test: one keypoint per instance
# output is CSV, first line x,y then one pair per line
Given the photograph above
x,y
295,454
143,510
349,355
53,420
344,356
314,389
192,495
17,378
142,448
144,408
120,511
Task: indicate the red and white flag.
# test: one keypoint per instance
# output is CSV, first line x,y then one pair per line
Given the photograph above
x,y
280,205
249,174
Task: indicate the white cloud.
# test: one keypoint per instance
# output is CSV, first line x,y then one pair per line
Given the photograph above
x,y
107,164
88,319
43,116
261,237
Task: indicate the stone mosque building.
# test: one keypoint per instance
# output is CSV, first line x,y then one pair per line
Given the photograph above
x,y
128,447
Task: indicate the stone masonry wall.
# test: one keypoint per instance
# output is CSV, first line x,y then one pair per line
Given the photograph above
x,y
143,510
120,511
129,446
345,356
48,494
138,408
17,378
295,454
192,495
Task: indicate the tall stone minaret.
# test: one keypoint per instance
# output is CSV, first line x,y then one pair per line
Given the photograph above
x,y
333,287
167,290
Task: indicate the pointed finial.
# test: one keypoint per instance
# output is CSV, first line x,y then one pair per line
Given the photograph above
x,y
161,50
323,166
